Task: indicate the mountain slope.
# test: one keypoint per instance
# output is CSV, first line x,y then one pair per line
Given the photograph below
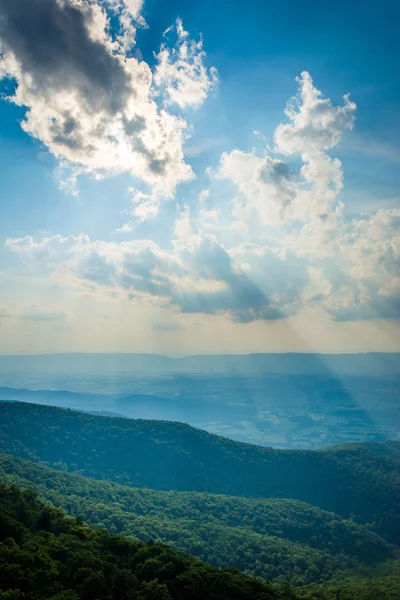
x,y
348,480
273,539
44,555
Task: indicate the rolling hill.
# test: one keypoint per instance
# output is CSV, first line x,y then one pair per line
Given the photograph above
x,y
45,555
276,539
351,480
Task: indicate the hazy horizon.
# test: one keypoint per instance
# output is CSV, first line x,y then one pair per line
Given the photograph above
x,y
178,356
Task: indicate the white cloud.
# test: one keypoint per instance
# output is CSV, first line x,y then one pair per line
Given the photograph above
x,y
372,244
295,240
183,234
271,192
88,100
198,276
370,249
357,275
181,74
144,206
132,8
130,18
316,125
264,183
265,240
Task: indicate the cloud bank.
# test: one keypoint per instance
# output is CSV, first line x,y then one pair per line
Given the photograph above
x,y
268,236
198,276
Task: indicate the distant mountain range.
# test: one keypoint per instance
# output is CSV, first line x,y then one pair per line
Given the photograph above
x,y
53,397
255,364
138,406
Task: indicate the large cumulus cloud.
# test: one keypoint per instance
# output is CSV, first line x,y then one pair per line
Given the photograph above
x,y
276,239
198,276
270,189
287,227
88,99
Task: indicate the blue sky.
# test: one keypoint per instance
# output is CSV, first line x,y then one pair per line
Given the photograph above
x,y
155,196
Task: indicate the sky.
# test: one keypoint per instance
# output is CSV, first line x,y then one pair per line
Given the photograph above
x,y
199,177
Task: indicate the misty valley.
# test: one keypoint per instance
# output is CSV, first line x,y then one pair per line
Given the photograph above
x,y
99,506
302,401
259,477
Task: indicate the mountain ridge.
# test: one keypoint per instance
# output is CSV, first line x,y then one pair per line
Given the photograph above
x,y
350,479
164,513
44,554
290,362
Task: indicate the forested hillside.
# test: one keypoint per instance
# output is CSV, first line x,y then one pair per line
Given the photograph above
x,y
45,555
352,480
276,539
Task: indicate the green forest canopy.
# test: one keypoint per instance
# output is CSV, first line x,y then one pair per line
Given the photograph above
x,y
276,539
45,555
361,481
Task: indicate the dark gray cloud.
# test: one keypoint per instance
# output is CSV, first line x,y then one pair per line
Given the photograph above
x,y
215,285
51,39
240,296
201,278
